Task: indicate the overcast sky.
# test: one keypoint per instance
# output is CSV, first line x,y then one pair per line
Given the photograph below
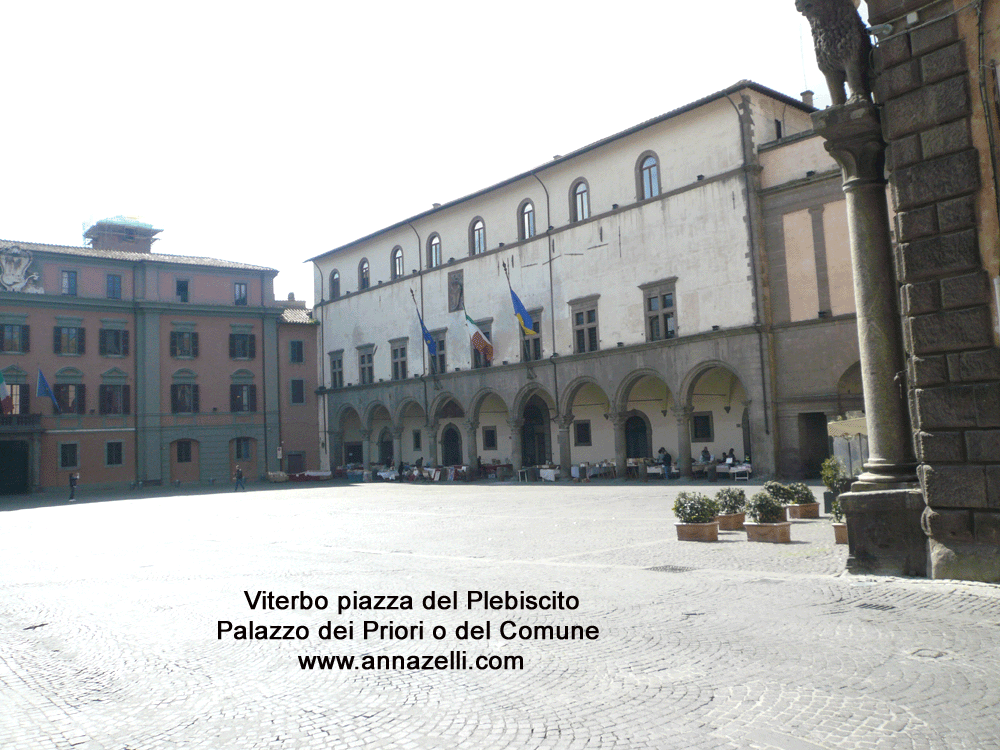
x,y
269,133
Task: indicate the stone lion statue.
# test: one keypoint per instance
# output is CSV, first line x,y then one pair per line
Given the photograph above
x,y
843,49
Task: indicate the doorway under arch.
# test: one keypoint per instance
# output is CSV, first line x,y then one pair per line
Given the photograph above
x,y
451,446
536,439
637,438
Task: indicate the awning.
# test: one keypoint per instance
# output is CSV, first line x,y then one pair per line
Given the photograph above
x,y
847,428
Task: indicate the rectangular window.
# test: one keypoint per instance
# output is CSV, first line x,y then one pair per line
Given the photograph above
x,y
114,287
531,345
701,427
297,353
181,288
489,438
416,440
242,346
113,454
71,397
112,342
438,361
478,360
20,398
184,398
399,362
585,330
67,340
366,367
69,283
660,312
183,451
244,449
114,399
239,293
337,370
298,391
14,338
581,432
68,456
242,397
183,344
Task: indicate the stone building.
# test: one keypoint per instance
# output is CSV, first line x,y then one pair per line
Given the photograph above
x,y
162,368
688,280
936,87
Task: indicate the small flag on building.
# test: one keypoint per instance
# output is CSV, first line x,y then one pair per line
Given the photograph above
x,y
431,344
43,390
482,344
522,315
6,399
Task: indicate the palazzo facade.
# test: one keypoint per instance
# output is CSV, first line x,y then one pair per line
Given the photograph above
x,y
689,283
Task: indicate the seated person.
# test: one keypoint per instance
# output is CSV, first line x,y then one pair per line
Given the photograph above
x,y
731,457
706,457
665,458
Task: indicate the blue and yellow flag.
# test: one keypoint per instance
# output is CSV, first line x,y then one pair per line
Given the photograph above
x,y
522,315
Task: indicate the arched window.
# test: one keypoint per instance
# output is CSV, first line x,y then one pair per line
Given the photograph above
x,y
580,198
648,177
364,275
397,262
434,251
334,284
526,220
477,237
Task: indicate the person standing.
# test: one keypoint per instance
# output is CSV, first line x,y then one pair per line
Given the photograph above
x,y
238,477
73,479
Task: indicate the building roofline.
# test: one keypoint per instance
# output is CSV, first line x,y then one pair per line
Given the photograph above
x,y
738,86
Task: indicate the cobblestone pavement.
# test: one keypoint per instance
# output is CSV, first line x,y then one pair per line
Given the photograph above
x,y
110,614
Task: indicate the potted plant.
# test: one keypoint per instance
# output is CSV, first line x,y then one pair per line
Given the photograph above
x,y
696,515
767,520
804,503
839,527
782,494
732,503
836,479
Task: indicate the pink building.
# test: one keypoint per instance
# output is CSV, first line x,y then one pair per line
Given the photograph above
x,y
161,367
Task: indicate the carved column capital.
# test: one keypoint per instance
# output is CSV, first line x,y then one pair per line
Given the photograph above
x,y
565,422
365,434
853,135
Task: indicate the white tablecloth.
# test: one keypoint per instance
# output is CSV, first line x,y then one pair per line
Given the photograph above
x,y
549,475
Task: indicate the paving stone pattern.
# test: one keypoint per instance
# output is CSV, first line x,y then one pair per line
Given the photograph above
x,y
110,609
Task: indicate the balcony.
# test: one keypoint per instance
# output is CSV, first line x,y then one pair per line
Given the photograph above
x,y
20,421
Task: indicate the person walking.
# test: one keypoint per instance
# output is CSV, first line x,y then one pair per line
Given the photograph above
x,y
238,477
73,479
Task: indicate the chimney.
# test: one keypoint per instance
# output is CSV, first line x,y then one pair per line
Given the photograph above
x,y
807,98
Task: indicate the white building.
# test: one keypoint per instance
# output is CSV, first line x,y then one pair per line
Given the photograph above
x,y
663,318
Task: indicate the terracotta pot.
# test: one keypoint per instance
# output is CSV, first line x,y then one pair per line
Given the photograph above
x,y
698,532
731,521
779,533
805,510
840,532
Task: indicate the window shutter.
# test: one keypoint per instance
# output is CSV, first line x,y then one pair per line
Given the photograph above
x,y
81,398
102,398
173,343
253,346
125,344
126,399
25,398
232,346
173,399
194,344
25,341
57,340
194,398
102,342
80,339
253,398
234,392
59,391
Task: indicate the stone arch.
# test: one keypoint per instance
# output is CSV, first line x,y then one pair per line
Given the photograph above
x,y
373,412
401,408
850,391
477,401
694,375
529,390
573,387
345,411
441,402
620,401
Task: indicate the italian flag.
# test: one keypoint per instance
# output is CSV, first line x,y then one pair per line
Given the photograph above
x,y
6,400
479,341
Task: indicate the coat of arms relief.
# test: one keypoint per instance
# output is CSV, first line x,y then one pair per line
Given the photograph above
x,y
16,272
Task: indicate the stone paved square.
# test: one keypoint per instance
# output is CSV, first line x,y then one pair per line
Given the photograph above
x,y
110,615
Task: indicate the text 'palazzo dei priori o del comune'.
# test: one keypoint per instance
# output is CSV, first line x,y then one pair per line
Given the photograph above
x,y
688,284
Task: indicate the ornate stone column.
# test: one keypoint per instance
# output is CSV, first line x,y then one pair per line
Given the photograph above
x,y
853,135
516,425
621,454
472,443
397,445
432,442
565,459
884,507
683,414
366,448
335,443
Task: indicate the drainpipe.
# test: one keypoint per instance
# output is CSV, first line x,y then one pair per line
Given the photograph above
x,y
263,373
135,378
552,304
322,367
423,344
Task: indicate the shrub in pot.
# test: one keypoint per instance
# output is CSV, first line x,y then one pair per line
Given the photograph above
x,y
782,494
837,480
767,519
804,503
732,504
696,514
839,527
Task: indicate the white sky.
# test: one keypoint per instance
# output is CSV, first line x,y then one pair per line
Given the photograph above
x,y
269,133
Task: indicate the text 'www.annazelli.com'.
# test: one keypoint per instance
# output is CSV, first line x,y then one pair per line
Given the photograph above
x,y
454,660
